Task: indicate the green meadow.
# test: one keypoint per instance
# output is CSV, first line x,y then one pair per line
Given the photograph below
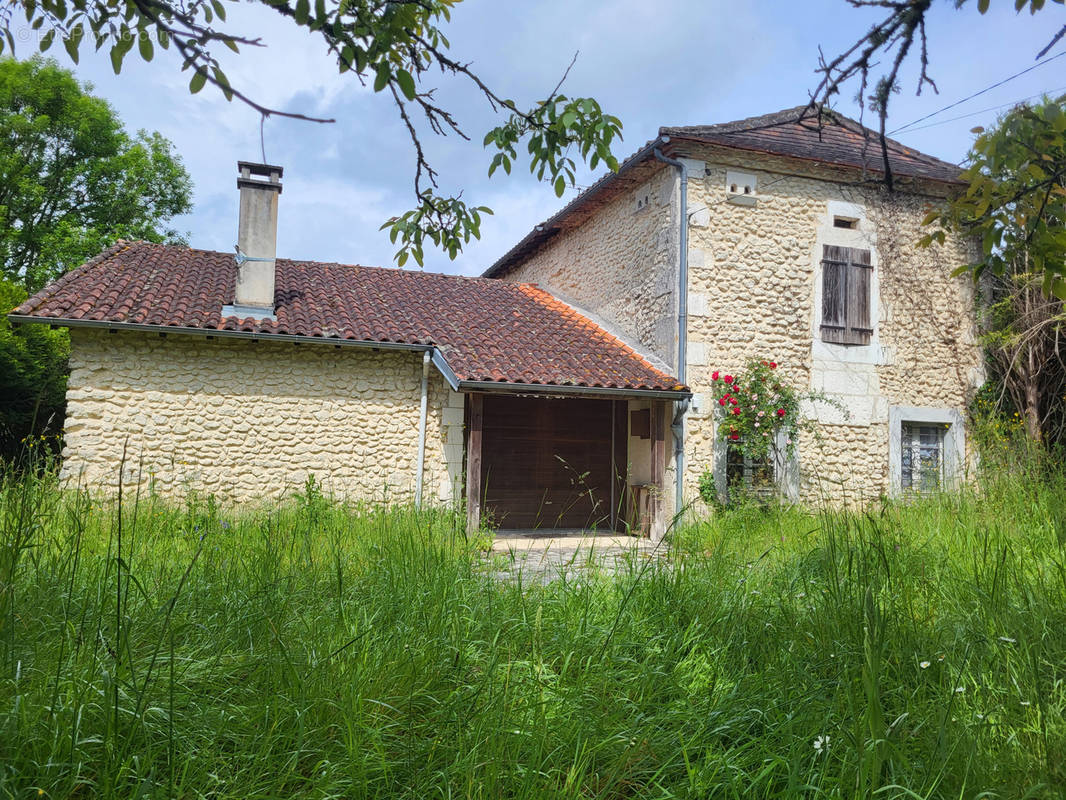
x,y
313,649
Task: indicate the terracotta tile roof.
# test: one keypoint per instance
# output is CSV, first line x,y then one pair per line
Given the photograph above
x,y
831,138
487,330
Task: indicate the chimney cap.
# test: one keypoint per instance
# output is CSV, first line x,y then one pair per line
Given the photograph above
x,y
255,168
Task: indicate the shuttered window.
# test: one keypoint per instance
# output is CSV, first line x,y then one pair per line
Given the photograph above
x,y
846,279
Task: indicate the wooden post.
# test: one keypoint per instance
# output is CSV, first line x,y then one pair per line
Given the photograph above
x,y
657,502
473,463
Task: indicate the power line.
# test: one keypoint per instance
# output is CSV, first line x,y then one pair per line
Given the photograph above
x,y
990,108
978,94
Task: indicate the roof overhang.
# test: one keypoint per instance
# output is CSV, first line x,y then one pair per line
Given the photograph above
x,y
437,357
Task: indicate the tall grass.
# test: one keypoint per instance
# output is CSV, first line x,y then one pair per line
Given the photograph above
x,y
313,649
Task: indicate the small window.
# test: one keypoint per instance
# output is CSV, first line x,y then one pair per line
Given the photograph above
x,y
847,275
922,457
748,477
849,223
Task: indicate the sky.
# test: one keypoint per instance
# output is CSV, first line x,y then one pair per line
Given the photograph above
x,y
649,62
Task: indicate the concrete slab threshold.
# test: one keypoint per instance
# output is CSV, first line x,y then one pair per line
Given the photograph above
x,y
546,555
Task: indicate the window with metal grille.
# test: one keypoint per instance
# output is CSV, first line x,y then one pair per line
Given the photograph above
x,y
747,476
847,275
922,455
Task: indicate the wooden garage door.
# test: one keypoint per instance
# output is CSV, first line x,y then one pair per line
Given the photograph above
x,y
547,463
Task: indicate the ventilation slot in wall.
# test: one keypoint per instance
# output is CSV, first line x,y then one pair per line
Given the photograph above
x,y
849,223
740,188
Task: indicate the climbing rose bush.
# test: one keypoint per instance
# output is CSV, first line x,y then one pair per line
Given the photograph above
x,y
754,407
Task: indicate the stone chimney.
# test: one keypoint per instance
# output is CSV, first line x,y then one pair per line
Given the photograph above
x,y
257,238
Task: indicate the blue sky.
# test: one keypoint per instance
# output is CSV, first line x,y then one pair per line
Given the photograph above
x,y
650,62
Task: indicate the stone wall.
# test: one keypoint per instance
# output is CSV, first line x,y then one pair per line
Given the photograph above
x,y
245,420
755,293
620,266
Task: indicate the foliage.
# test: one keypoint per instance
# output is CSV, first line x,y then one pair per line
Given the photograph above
x,y
757,407
1015,207
71,179
201,650
754,406
708,488
1015,204
396,46
33,378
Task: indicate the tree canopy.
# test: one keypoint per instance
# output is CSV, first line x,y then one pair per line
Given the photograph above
x,y
1015,207
397,46
71,179
1016,199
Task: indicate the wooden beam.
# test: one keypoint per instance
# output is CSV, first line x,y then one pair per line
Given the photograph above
x,y
473,462
658,470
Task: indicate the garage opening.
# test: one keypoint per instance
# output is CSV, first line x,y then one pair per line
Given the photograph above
x,y
553,463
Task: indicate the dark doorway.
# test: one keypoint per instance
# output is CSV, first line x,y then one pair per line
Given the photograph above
x,y
551,463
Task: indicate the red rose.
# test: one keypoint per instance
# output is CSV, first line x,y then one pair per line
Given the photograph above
x,y
733,400
714,375
736,412
722,402
765,363
773,365
728,379
780,412
734,436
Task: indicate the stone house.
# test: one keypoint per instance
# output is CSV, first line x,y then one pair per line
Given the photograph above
x,y
568,386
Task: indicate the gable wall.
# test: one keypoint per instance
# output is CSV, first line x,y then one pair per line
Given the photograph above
x,y
754,293
620,265
244,420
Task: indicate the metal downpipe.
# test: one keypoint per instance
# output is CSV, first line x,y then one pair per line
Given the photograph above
x,y
677,427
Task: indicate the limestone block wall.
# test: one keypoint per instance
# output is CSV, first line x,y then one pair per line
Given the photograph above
x,y
620,265
245,421
755,293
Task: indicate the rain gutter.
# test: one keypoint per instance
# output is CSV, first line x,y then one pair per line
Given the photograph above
x,y
678,424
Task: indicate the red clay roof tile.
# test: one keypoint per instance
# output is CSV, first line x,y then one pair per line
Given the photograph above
x,y
486,329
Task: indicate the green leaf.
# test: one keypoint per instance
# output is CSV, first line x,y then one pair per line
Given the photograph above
x,y
302,12
560,186
406,83
144,43
47,39
70,44
116,58
982,5
382,78
197,82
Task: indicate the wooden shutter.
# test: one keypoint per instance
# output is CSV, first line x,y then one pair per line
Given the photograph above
x,y
846,281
